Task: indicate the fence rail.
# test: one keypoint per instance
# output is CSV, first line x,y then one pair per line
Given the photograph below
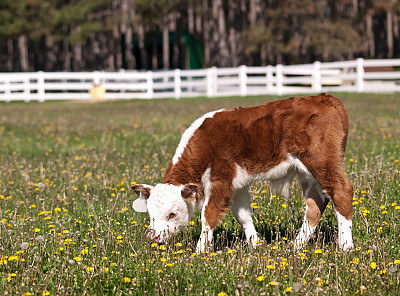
x,y
348,76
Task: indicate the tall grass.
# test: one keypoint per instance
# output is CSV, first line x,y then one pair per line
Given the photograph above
x,y
67,226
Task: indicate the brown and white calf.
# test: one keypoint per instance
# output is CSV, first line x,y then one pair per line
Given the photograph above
x,y
222,152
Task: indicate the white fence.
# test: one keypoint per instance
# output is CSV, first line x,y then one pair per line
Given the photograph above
x,y
347,76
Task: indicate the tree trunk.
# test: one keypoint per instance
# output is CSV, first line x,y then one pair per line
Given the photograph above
x,y
77,61
389,33
51,55
190,18
222,46
165,44
77,54
23,52
95,49
67,55
253,13
126,29
154,56
263,54
109,51
176,44
396,26
232,34
116,40
370,34
199,23
10,55
215,54
129,57
142,49
355,8
206,34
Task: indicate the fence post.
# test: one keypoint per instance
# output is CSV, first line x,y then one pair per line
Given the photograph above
x,y
269,78
177,84
211,81
317,77
243,80
279,79
360,75
149,82
27,88
96,78
40,86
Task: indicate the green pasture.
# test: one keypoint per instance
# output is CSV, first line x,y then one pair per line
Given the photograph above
x,y
68,228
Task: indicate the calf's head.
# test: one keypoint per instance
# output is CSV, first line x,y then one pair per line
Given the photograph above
x,y
170,207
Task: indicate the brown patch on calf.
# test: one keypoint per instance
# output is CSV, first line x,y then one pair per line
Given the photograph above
x,y
316,206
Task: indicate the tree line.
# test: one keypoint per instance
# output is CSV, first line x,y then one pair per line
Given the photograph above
x,y
75,35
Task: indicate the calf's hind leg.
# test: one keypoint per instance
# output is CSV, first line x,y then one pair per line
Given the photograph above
x,y
339,189
342,197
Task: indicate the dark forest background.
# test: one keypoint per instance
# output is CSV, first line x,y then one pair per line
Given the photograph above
x,y
74,35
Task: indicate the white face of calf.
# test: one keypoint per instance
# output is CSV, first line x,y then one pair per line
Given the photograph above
x,y
170,207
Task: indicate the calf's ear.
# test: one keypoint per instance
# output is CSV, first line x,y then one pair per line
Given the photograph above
x,y
140,204
142,190
191,190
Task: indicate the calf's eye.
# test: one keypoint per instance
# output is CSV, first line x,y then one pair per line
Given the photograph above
x,y
171,215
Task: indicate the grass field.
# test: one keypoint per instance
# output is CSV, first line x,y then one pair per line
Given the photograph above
x,y
68,228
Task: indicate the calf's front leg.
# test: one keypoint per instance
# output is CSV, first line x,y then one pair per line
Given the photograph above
x,y
206,237
241,209
217,200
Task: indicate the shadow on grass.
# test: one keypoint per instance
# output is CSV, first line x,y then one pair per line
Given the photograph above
x,y
272,234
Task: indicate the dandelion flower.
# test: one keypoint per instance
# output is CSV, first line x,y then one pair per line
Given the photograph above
x,y
261,278
126,280
373,265
273,283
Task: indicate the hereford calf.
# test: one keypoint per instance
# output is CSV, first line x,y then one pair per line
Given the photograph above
x,y
222,152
